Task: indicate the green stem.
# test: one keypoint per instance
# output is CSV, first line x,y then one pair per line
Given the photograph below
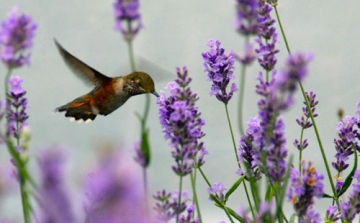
x,y
237,158
319,141
311,114
232,133
204,176
146,110
22,175
145,184
144,118
195,198
242,93
301,147
7,77
209,184
130,47
179,199
20,165
282,29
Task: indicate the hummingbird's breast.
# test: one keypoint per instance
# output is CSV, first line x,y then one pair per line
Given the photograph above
x,y
110,96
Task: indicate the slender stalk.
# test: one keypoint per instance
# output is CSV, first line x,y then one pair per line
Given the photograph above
x,y
20,165
144,118
319,141
237,158
179,199
311,115
130,47
232,133
282,29
242,93
22,176
227,213
195,198
6,82
209,184
204,176
301,149
145,184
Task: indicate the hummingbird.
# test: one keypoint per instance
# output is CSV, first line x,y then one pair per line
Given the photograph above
x,y
109,93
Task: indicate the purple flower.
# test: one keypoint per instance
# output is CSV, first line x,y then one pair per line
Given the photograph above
x,y
348,137
339,184
331,215
351,207
167,206
140,156
311,216
265,136
181,123
304,122
16,110
249,148
2,114
277,153
53,197
127,11
217,190
219,68
16,34
267,38
304,187
189,217
296,70
114,192
248,57
246,22
358,109
264,213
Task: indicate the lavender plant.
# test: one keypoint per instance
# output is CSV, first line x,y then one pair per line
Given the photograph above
x,y
263,162
128,22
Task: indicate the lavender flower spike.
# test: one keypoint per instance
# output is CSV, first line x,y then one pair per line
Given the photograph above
x,y
246,16
351,207
219,68
348,135
167,206
53,198
17,104
267,38
304,187
182,124
16,34
218,190
189,218
127,11
114,192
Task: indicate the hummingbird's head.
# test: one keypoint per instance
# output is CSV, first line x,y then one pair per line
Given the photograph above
x,y
140,83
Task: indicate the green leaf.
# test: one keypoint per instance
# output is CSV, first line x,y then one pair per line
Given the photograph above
x,y
349,178
234,187
235,215
327,196
270,192
216,200
145,147
292,218
282,192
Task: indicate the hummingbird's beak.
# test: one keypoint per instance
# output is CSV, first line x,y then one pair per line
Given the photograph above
x,y
155,93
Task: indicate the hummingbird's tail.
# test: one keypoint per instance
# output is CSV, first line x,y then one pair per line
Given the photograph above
x,y
78,111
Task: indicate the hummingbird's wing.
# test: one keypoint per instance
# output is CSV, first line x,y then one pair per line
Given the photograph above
x,y
81,69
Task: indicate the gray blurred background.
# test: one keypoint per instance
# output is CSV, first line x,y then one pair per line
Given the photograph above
x,y
175,34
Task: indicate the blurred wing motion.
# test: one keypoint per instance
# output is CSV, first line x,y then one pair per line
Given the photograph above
x,y
81,69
